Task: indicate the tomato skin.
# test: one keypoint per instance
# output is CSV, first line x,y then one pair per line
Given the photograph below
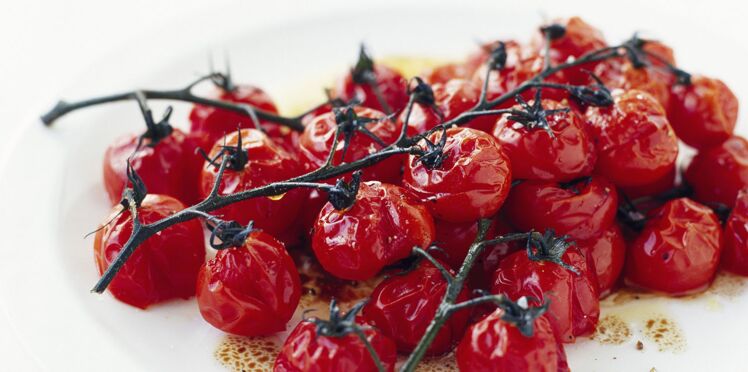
x,y
493,345
583,211
718,173
306,351
735,249
606,253
472,182
381,228
536,155
161,167
316,142
444,73
703,114
267,163
678,251
659,186
252,290
392,86
574,305
636,145
402,307
163,267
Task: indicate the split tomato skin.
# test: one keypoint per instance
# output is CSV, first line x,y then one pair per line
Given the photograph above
x,y
735,250
535,155
703,113
402,307
606,253
472,182
636,144
391,84
252,290
717,174
494,345
678,251
583,210
163,267
380,228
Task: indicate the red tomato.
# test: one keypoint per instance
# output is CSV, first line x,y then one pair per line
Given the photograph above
x,y
251,290
267,163
606,253
307,351
659,186
402,306
444,73
163,267
735,250
478,58
621,74
636,145
718,173
495,345
704,113
316,141
574,306
471,182
678,251
582,210
381,228
536,155
161,166
391,84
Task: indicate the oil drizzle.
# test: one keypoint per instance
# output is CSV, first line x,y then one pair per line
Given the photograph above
x,y
612,330
665,333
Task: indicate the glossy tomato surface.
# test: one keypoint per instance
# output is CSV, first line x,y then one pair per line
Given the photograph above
x,y
391,84
606,253
735,250
717,174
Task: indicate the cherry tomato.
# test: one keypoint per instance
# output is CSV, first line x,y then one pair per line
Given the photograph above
x,y
636,145
381,228
606,253
622,74
163,267
444,73
718,173
251,290
583,209
574,306
735,250
267,163
703,113
316,141
402,307
391,84
534,154
471,182
161,166
495,345
478,58
659,186
678,251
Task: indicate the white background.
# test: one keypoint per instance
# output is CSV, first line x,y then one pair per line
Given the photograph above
x,y
46,46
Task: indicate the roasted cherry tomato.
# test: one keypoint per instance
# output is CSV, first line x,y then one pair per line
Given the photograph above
x,y
703,113
606,253
678,251
469,180
621,74
402,307
267,163
250,290
636,145
318,137
582,209
535,154
735,250
718,173
659,186
380,228
444,73
163,267
374,85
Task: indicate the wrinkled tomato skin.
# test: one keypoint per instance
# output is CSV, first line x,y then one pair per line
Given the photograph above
x,y
703,113
306,351
583,211
574,305
402,307
252,290
444,73
735,249
678,251
494,345
621,74
161,167
391,84
636,145
606,253
535,155
316,141
472,182
163,267
381,228
659,186
717,174
267,163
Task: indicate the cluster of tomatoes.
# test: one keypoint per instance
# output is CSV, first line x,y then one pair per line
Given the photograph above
x,y
573,177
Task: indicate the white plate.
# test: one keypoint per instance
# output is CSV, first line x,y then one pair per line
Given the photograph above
x,y
52,192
